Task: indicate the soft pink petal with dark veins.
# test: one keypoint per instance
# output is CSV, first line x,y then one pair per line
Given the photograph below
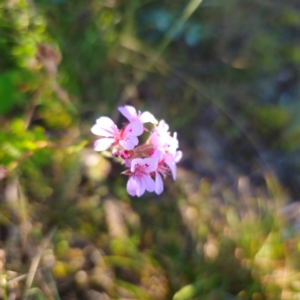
x,y
105,127
129,143
150,164
135,128
136,162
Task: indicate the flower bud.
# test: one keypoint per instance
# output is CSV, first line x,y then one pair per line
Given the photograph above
x,y
115,153
126,154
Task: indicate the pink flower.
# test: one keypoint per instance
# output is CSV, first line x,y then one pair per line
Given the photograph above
x,y
140,179
130,113
158,155
126,137
162,139
166,163
171,160
147,164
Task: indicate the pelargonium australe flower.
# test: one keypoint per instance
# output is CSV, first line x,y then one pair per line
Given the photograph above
x,y
130,113
126,137
147,163
140,176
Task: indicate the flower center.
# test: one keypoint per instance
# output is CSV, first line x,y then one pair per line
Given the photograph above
x,y
140,170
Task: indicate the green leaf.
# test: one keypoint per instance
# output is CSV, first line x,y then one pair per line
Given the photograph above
x,y
9,94
13,85
270,118
134,290
123,262
188,291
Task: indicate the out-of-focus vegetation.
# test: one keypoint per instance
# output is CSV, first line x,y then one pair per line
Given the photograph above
x,y
225,75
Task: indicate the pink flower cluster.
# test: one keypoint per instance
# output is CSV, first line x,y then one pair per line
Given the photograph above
x,y
146,163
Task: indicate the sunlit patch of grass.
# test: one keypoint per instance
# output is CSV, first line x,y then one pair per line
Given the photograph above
x,y
240,242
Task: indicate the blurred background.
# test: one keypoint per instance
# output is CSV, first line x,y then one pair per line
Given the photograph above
x,y
224,75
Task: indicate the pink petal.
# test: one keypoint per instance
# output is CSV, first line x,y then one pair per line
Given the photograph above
x,y
149,164
140,187
129,143
171,164
131,186
136,162
127,163
158,155
129,112
147,117
178,156
148,182
97,130
155,139
173,143
135,128
103,144
159,186
105,127
163,127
